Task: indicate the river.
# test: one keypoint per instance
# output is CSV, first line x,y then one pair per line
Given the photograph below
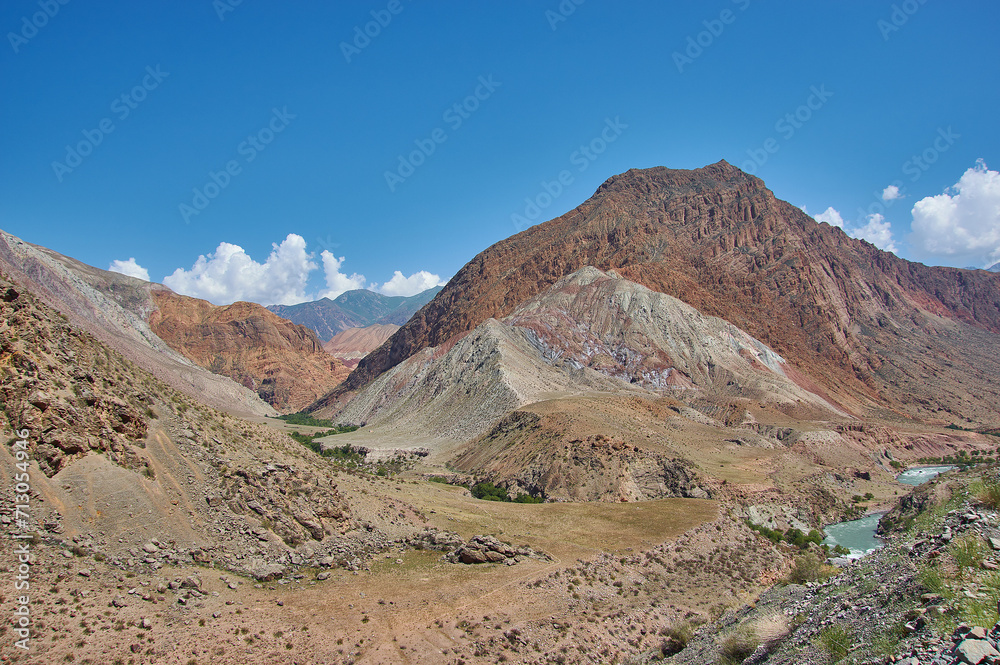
x,y
859,535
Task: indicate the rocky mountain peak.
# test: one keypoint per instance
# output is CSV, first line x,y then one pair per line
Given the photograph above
x,y
717,239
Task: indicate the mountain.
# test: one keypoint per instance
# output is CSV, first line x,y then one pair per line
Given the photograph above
x,y
994,268
589,333
239,357
282,362
114,309
353,344
354,309
877,333
118,450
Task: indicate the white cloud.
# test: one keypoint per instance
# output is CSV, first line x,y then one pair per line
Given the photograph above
x,y
891,193
336,281
409,286
229,274
130,268
963,223
831,217
877,231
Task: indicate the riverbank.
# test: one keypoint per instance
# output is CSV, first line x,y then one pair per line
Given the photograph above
x,y
940,567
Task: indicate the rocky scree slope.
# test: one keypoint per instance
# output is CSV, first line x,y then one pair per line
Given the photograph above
x,y
114,308
282,362
125,460
873,330
928,597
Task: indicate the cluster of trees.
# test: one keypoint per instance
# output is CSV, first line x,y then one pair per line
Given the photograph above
x,y
795,537
487,491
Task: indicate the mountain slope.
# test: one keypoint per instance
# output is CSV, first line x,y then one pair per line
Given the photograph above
x,y
114,308
351,345
874,330
590,331
354,309
282,362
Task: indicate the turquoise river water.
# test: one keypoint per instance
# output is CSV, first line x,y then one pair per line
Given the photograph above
x,y
859,535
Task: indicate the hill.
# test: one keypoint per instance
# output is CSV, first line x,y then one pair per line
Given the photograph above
x,y
282,362
114,309
353,344
354,309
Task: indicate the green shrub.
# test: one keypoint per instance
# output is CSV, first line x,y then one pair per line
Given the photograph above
x,y
527,498
487,491
807,568
836,641
967,551
989,494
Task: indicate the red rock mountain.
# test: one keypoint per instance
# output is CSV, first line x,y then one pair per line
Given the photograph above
x,y
880,334
281,361
353,344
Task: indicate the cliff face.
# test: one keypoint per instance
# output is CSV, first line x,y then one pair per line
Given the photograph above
x,y
282,362
874,330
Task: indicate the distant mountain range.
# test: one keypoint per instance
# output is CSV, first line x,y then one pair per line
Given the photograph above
x,y
994,268
354,309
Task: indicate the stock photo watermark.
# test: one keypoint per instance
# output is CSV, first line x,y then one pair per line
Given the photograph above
x,y
697,44
364,34
562,12
122,107
30,25
223,7
581,158
898,17
22,539
248,149
786,126
454,116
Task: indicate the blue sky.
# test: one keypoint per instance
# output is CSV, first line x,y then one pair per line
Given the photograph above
x,y
262,106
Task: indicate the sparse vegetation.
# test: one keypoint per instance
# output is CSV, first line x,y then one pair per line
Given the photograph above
x,y
808,568
836,641
676,637
738,646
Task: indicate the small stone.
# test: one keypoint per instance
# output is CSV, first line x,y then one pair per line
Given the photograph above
x,y
145,623
325,575
994,543
150,548
84,573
